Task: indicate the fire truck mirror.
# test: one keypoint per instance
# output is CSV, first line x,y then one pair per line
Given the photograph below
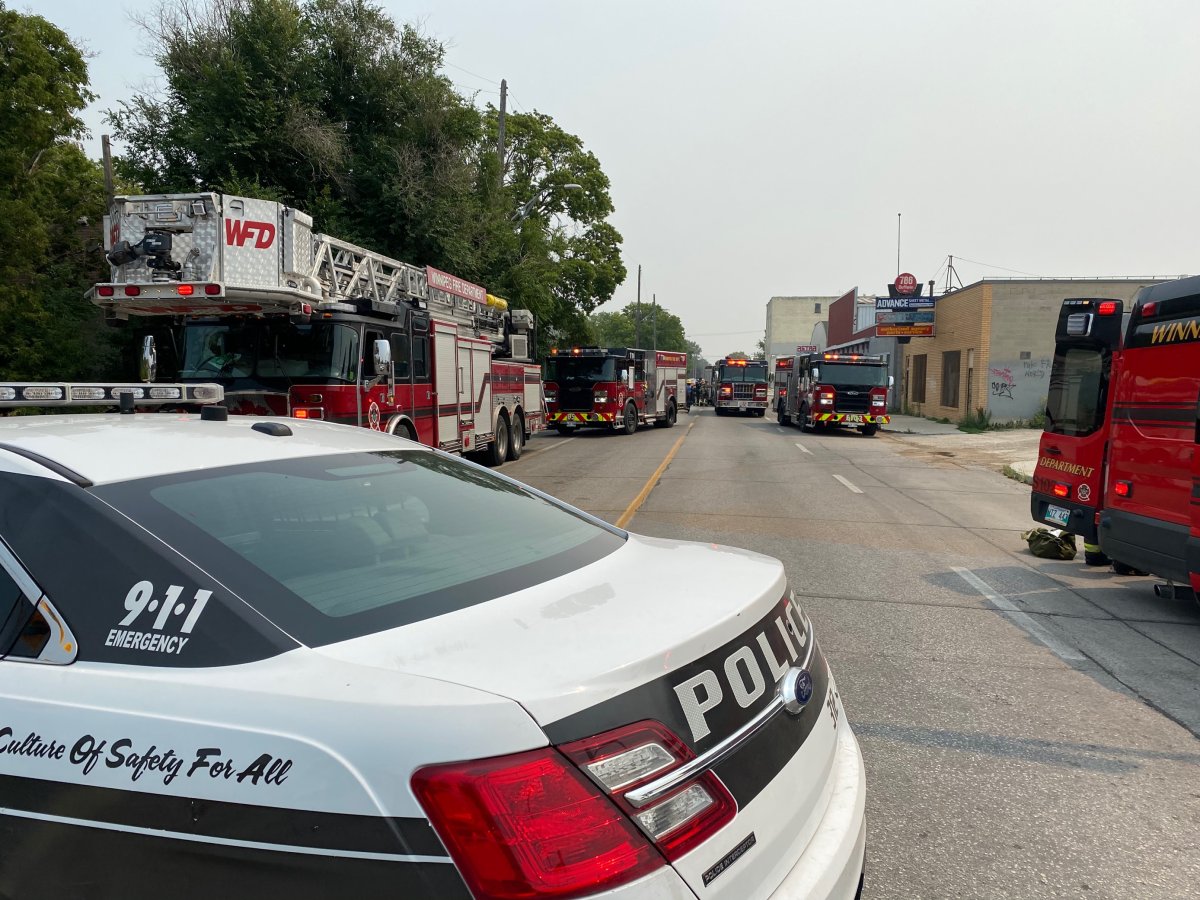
x,y
816,373
383,357
891,381
148,368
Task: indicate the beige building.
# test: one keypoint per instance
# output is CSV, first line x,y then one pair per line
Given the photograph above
x,y
993,346
790,322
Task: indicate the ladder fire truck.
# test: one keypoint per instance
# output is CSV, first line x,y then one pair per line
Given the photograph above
x,y
614,387
826,390
295,323
740,385
1119,463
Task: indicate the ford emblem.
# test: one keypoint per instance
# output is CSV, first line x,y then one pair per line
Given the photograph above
x,y
796,689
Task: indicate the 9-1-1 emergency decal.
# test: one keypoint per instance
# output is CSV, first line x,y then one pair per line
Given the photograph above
x,y
172,616
88,752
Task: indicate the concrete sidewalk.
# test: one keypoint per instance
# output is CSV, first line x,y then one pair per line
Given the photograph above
x,y
919,425
1012,452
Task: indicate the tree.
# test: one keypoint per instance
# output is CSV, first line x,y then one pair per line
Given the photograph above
x,y
332,107
51,202
659,328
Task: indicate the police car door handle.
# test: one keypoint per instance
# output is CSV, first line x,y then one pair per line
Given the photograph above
x,y
1054,450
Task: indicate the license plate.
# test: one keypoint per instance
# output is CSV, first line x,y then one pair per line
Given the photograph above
x,y
853,418
1058,514
741,404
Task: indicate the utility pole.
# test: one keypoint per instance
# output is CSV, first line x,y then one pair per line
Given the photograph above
x,y
109,190
897,243
654,324
500,129
637,321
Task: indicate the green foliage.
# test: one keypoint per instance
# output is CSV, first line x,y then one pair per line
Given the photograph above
x,y
977,421
51,202
332,107
659,329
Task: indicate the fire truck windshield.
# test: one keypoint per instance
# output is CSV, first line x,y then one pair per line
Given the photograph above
x,y
849,375
582,369
1075,400
271,350
749,372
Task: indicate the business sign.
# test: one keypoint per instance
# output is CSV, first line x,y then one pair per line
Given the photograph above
x,y
451,284
904,317
910,316
807,348
905,284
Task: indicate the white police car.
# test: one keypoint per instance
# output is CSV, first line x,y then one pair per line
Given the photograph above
x,y
268,658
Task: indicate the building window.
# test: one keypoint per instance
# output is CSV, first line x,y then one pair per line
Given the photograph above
x,y
1025,354
950,378
816,307
916,388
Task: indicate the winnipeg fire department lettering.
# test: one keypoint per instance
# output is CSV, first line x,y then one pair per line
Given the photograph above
x,y
1070,468
239,231
743,671
1176,332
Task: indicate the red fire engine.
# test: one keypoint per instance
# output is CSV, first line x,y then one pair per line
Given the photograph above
x,y
826,390
614,387
299,324
740,385
1118,462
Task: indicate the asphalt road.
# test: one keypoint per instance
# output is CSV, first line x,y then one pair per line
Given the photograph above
x,y
1029,727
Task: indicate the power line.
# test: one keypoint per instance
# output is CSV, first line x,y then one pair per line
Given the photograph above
x,y
1002,268
473,74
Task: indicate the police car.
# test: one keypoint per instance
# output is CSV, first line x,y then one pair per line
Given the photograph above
x,y
262,657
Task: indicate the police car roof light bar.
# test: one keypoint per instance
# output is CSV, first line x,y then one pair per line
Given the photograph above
x,y
47,394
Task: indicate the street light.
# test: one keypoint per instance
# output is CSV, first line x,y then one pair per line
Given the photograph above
x,y
524,212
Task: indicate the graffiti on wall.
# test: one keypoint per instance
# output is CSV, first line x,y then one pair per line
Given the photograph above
x,y
1018,388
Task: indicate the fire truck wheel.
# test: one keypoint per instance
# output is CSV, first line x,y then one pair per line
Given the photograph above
x,y
630,421
669,419
564,429
761,412
784,418
869,430
497,450
516,437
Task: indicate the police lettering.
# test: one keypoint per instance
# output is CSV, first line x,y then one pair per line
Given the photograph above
x,y
150,641
743,671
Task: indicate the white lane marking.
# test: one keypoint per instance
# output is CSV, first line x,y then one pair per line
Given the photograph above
x,y
856,490
225,842
528,453
1057,647
804,449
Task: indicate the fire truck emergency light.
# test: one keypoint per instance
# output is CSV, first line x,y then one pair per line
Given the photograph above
x,y
1107,308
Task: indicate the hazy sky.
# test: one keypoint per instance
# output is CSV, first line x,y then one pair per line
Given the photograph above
x,y
762,148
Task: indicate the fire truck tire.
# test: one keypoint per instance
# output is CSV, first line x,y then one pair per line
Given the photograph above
x,y
805,421
761,412
669,419
870,430
404,430
564,429
630,419
516,438
784,418
497,451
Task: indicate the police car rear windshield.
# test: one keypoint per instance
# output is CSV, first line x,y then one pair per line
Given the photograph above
x,y
335,547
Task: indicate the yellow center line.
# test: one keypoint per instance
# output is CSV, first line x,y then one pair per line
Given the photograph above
x,y
653,480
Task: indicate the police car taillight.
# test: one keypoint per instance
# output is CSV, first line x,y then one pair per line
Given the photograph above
x,y
531,825
629,758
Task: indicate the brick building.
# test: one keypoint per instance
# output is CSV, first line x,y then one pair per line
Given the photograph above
x,y
993,346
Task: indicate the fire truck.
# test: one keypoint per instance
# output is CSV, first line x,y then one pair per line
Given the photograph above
x,y
740,385
295,323
615,387
826,390
1118,463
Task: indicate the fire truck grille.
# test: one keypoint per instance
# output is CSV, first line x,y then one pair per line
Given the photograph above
x,y
847,402
575,399
743,391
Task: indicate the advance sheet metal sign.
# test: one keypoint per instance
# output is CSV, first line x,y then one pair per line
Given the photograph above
x,y
904,316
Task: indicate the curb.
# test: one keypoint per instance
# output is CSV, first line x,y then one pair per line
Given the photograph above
x,y
1012,473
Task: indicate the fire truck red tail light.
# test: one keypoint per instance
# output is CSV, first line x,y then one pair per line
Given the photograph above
x,y
105,290
1107,308
634,756
185,290
1149,309
532,825
1062,490
212,290
301,412
132,290
1123,488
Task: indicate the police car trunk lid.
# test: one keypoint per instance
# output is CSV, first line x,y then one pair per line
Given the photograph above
x,y
696,637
